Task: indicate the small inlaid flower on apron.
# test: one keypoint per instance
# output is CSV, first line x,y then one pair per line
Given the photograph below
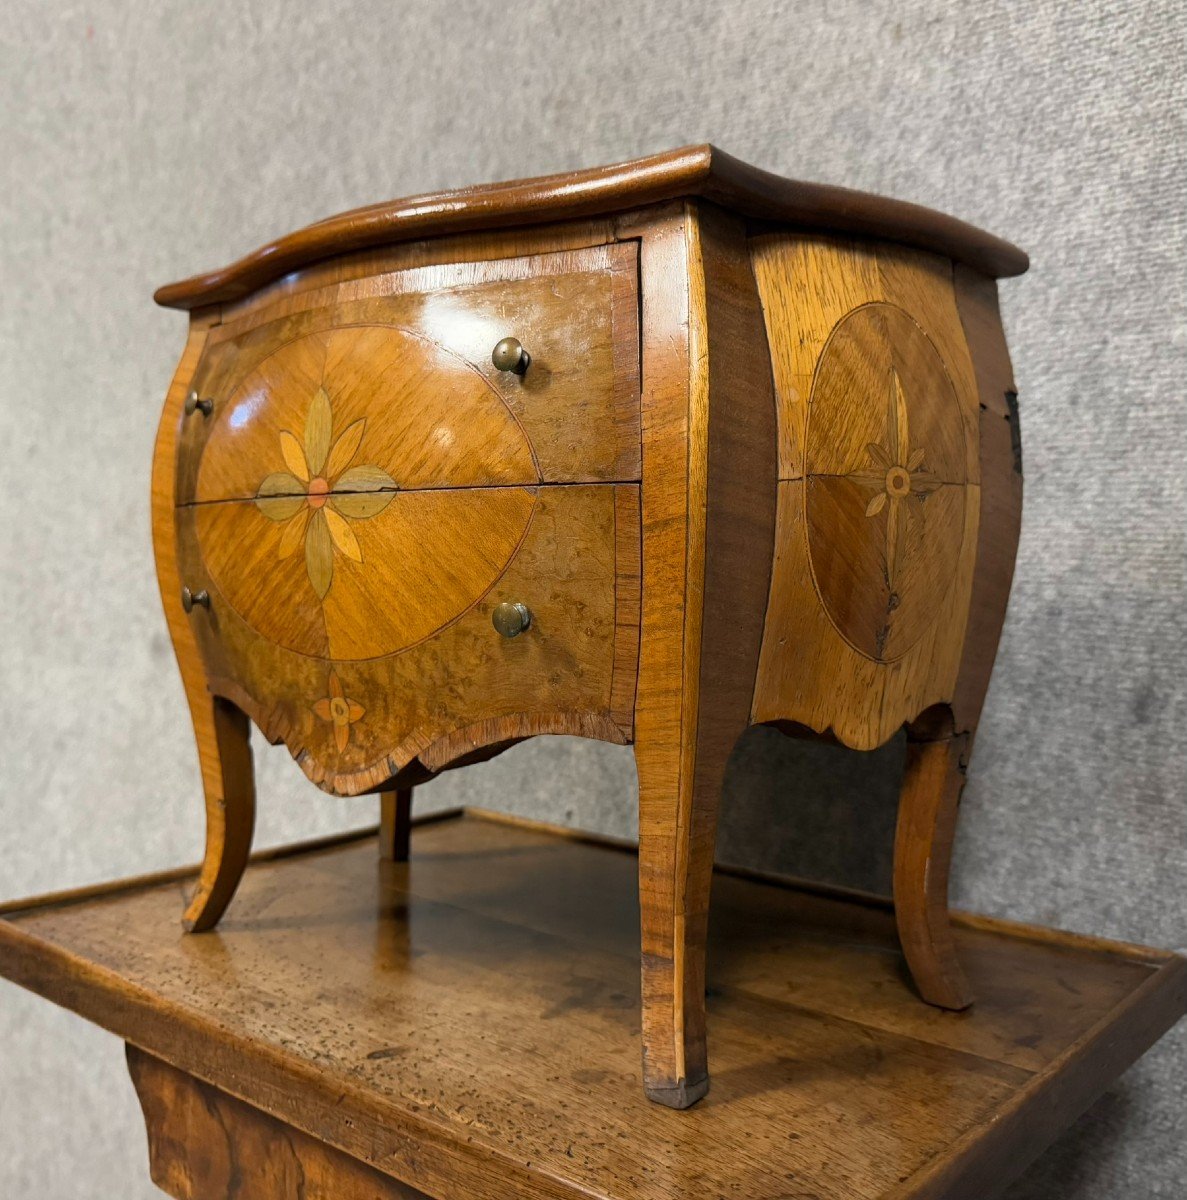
x,y
321,493
339,710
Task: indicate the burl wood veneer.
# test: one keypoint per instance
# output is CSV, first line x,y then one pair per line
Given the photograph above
x,y
648,454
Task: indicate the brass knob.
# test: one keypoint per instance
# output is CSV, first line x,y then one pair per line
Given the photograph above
x,y
511,619
202,404
189,599
509,355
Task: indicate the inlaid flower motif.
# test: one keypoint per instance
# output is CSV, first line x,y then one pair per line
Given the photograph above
x,y
321,493
897,475
339,710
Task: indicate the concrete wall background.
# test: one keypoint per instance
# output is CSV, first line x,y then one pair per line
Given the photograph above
x,y
141,142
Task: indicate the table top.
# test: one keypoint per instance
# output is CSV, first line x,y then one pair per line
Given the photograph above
x,y
700,171
467,1022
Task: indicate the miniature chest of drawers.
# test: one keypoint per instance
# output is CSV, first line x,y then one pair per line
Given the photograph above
x,y
647,453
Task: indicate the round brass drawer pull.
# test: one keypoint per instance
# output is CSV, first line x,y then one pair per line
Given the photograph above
x,y
202,404
511,619
509,355
189,599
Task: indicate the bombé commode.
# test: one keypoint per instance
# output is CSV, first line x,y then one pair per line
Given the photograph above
x,y
648,453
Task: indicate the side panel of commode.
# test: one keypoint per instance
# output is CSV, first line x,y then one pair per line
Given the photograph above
x,y
900,495
879,486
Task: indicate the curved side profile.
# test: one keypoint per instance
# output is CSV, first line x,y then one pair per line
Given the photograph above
x,y
938,751
220,729
937,760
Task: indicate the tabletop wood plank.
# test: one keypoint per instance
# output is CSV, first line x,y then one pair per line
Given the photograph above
x,y
466,1022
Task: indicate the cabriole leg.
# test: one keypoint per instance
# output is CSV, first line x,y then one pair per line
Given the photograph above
x,y
928,805
224,750
708,519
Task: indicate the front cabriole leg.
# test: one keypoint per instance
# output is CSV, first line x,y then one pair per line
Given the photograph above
x,y
224,750
708,500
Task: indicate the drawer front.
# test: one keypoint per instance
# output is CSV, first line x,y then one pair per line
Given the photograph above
x,y
387,383
399,659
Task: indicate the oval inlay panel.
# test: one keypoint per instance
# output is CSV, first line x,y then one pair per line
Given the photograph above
x,y
359,491
885,480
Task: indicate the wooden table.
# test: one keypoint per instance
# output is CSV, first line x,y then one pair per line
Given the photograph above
x,y
465,1025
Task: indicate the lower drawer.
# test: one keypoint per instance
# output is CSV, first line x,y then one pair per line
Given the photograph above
x,y
397,658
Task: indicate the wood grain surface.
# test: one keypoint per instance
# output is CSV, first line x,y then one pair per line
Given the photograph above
x,y
899,499
466,1023
407,352
205,1145
396,685
355,493
693,171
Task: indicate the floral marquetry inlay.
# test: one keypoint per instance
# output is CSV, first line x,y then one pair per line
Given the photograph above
x,y
361,488
338,710
899,482
322,492
885,481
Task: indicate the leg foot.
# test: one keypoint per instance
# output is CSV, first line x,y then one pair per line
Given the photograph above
x,y
395,824
928,805
224,751
683,1096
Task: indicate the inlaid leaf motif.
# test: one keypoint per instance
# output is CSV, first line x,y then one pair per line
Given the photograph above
x,y
363,492
343,535
364,479
280,496
294,533
345,448
319,554
318,427
897,433
294,457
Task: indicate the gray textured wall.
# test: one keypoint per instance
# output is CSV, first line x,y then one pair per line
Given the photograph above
x,y
142,142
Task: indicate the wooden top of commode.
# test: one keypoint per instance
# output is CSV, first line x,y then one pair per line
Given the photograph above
x,y
694,171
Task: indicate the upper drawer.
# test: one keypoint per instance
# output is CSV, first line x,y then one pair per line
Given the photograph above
x,y
388,382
